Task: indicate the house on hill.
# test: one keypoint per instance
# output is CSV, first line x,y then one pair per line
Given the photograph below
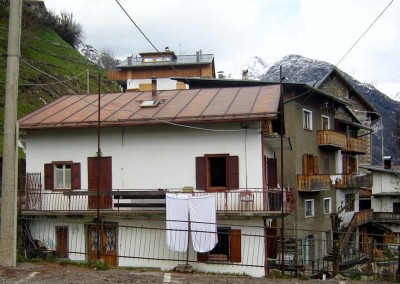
x,y
99,169
136,72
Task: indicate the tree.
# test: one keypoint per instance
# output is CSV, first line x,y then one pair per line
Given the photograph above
x,y
107,59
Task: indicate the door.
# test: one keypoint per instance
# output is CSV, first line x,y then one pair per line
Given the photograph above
x,y
62,242
100,165
107,240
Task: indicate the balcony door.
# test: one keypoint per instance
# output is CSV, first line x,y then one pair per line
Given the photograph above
x,y
100,171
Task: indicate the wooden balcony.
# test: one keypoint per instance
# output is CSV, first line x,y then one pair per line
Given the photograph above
x,y
356,146
310,183
332,139
120,202
338,181
352,181
387,217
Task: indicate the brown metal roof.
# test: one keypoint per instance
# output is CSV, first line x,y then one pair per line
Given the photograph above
x,y
178,106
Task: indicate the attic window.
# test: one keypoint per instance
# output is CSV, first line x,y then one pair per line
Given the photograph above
x,y
149,103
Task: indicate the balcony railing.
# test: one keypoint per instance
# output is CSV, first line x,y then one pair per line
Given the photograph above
x,y
356,145
387,217
338,181
330,138
313,182
129,201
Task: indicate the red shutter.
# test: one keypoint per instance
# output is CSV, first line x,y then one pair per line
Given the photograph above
x,y
232,172
201,173
48,176
235,245
202,256
76,176
272,172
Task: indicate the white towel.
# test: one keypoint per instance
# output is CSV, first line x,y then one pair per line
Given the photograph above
x,y
203,222
177,211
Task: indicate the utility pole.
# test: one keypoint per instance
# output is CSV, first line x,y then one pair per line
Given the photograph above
x,y
8,227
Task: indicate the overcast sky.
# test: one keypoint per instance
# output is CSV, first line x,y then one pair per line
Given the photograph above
x,y
237,30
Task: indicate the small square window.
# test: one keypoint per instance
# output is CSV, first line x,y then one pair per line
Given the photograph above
x,y
309,208
327,205
307,119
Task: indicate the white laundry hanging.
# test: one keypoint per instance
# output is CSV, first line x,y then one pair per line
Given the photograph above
x,y
202,212
177,216
203,222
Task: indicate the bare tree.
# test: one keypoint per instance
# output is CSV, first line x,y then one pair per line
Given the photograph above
x,y
107,59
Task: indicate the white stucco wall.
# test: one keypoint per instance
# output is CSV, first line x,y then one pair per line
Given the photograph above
x,y
384,183
340,199
149,157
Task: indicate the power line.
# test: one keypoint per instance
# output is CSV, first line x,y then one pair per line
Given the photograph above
x,y
37,69
148,40
364,33
60,82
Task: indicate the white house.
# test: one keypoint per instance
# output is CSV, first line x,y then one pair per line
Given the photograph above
x,y
385,200
105,171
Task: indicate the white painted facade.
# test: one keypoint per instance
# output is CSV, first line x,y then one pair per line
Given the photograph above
x,y
148,158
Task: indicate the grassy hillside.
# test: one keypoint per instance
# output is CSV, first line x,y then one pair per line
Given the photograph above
x,y
44,50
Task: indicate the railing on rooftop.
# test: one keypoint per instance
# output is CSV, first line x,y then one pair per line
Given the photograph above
x,y
125,201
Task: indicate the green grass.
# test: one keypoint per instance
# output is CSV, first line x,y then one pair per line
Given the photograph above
x,y
42,48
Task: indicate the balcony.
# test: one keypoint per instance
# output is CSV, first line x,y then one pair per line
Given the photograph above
x,y
356,146
306,183
344,181
331,139
387,217
120,202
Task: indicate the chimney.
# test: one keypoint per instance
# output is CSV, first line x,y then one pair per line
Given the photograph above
x,y
129,60
167,48
387,162
245,74
197,56
154,87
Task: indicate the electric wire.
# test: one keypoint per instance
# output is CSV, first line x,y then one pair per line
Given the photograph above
x,y
148,40
370,26
55,83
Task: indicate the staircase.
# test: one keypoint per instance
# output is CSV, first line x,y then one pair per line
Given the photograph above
x,y
359,218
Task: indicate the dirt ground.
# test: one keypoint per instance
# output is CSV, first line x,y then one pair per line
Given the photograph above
x,y
44,272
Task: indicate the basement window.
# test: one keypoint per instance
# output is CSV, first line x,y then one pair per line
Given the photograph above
x,y
149,103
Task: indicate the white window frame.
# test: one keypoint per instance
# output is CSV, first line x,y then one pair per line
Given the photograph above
x,y
322,122
312,209
307,119
329,211
63,184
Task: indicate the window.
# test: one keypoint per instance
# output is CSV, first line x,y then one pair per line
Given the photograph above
x,y
310,165
62,175
227,249
217,172
325,123
309,208
396,207
326,242
327,205
349,165
349,202
327,165
307,119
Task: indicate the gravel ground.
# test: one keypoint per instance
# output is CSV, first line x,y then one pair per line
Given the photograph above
x,y
61,274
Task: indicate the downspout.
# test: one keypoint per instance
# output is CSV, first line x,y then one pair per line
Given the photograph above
x,y
282,184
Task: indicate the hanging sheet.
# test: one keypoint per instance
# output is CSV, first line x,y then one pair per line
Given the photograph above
x,y
177,216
